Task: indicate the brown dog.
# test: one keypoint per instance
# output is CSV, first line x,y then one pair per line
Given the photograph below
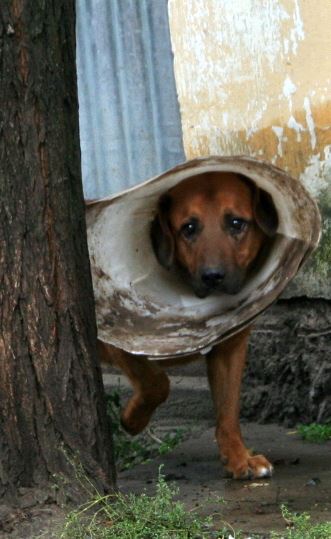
x,y
211,229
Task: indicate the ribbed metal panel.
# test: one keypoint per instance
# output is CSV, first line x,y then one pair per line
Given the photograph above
x,y
129,117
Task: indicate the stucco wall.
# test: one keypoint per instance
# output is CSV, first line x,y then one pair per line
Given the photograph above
x,y
254,78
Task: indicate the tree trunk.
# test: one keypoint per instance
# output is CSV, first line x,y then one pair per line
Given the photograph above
x,y
51,392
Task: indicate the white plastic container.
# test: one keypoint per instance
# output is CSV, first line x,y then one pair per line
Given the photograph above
x,y
144,309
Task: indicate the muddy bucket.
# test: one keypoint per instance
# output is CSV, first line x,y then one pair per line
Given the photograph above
x,y
145,309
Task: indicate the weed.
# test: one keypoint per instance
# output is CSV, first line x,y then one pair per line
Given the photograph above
x,y
315,432
163,516
300,527
131,451
137,517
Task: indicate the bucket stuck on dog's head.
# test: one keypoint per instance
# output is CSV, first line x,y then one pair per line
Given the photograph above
x,y
192,256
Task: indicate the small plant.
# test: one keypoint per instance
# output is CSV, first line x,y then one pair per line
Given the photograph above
x,y
170,440
130,451
300,527
163,516
315,432
137,517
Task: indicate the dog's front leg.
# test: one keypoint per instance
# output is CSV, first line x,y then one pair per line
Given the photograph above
x,y
149,382
225,365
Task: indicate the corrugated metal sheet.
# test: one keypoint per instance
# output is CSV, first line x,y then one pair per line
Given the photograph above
x,y
129,117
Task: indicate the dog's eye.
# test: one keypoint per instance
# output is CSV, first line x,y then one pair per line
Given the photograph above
x,y
237,225
190,229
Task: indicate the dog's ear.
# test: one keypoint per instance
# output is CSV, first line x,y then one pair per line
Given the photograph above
x,y
265,212
161,236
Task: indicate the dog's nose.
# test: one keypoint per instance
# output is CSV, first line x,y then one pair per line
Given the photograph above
x,y
211,277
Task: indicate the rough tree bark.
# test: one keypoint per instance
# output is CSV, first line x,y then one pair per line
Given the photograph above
x,y
51,394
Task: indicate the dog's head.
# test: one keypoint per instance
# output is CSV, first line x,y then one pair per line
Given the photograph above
x,y
211,227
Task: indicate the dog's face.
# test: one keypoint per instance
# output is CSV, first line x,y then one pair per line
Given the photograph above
x,y
212,227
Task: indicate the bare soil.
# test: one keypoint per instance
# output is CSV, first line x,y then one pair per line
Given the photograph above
x,y
302,479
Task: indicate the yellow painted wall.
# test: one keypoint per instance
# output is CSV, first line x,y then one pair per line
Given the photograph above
x,y
254,77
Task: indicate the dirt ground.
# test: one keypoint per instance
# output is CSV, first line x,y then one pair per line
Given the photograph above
x,y
302,477
288,380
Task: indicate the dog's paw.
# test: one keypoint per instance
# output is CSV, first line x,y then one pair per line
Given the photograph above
x,y
135,416
141,406
250,467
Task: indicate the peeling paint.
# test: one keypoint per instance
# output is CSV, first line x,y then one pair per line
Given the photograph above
x,y
310,122
293,124
297,33
242,69
256,121
261,38
317,175
289,88
279,132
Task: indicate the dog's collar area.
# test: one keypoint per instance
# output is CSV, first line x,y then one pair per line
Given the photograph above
x,y
143,308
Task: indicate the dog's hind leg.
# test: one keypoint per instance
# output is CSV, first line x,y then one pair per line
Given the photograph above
x,y
225,365
150,385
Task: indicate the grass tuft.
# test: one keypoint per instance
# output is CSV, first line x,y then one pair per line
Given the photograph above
x,y
315,432
163,516
301,527
137,517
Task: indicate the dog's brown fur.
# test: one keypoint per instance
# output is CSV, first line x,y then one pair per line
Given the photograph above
x,y
211,229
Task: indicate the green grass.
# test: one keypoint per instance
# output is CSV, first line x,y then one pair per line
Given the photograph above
x,y
137,517
130,451
315,432
301,527
164,517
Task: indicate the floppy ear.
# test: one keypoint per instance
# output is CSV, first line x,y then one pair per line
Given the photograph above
x,y
265,212
161,236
